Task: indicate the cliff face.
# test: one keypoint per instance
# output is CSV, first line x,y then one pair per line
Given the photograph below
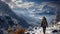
x,y
5,10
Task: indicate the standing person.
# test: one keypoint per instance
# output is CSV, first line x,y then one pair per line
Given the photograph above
x,y
44,24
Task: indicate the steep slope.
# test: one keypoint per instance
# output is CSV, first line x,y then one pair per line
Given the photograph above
x,y
5,8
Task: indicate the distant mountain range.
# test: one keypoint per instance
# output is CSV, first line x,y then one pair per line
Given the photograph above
x,y
48,10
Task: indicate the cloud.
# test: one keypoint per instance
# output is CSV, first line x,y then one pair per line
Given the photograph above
x,y
26,5
8,1
30,6
20,4
12,3
52,4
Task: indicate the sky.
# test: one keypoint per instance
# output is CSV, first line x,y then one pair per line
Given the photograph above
x,y
30,3
34,8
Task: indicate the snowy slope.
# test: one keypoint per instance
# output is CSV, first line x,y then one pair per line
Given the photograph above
x,y
40,30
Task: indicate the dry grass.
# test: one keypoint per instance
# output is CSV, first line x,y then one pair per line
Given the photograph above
x,y
19,30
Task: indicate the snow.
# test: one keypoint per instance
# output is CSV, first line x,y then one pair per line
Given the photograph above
x,y
40,30
58,23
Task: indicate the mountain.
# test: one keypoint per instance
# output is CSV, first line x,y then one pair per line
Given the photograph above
x,y
49,10
4,8
46,10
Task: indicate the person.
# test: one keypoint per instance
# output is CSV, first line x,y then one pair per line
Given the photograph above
x,y
44,24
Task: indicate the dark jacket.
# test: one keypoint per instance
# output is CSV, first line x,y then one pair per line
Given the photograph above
x,y
44,22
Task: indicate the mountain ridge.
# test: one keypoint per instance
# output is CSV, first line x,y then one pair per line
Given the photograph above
x,y
6,9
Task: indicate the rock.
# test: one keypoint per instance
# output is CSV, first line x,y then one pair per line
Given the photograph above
x,y
55,31
27,33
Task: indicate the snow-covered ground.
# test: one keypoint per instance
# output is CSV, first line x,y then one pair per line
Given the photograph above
x,y
40,30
